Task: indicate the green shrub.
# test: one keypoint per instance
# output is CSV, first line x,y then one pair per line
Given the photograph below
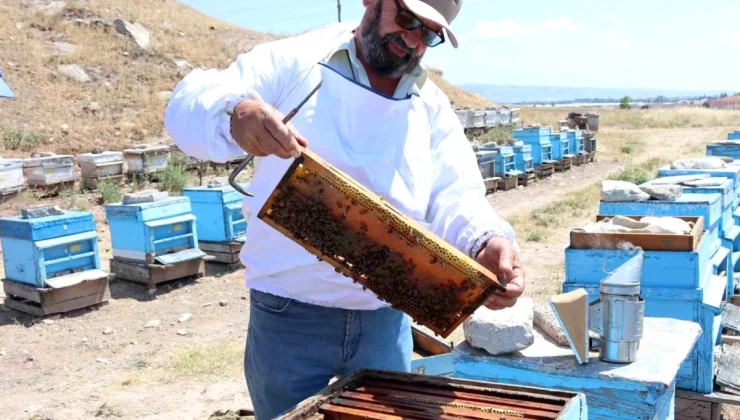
x,y
174,178
21,140
110,192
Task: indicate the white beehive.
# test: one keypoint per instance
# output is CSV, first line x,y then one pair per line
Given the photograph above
x,y
50,169
11,175
96,167
146,158
179,157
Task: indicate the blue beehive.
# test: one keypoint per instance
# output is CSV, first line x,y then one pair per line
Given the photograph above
x,y
731,172
735,135
523,158
218,212
54,244
560,145
506,162
539,139
730,148
575,141
487,163
150,227
675,284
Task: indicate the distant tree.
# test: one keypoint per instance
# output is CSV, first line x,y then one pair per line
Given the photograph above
x,y
661,99
625,102
724,95
737,94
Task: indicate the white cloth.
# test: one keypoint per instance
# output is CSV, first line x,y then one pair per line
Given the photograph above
x,y
411,150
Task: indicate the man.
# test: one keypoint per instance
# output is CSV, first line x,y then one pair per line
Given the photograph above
x,y
378,118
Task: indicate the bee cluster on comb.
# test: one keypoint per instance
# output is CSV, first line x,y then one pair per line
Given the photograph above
x,y
365,238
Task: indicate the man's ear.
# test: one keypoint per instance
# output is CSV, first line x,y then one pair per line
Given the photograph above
x,y
368,3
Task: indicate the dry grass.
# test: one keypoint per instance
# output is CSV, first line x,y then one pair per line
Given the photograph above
x,y
123,83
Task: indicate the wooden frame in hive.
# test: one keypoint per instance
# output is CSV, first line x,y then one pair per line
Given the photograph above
x,y
364,237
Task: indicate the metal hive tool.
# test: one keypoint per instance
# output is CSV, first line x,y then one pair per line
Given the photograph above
x,y
344,224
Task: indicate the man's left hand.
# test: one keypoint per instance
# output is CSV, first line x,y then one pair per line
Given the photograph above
x,y
500,257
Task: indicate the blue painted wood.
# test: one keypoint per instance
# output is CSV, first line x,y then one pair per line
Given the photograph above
x,y
36,250
732,173
669,269
704,307
69,223
644,389
708,206
730,201
560,145
732,239
523,158
735,135
539,139
724,149
218,213
575,141
142,231
505,161
440,365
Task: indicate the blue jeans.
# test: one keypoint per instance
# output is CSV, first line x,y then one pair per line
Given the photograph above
x,y
293,348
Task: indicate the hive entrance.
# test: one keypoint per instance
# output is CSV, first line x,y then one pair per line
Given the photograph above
x,y
365,238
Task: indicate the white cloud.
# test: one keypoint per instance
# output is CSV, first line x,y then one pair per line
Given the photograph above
x,y
612,17
732,36
509,28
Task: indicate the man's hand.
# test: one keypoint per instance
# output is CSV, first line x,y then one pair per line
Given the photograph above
x,y
257,128
499,256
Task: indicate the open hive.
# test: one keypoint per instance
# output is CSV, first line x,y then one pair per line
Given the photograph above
x,y
368,394
365,238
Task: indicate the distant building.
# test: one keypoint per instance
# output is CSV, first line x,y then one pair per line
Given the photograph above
x,y
729,102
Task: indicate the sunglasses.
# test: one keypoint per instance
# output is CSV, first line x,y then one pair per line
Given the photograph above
x,y
409,22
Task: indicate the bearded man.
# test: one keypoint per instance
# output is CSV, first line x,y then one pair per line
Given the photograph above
x,y
381,120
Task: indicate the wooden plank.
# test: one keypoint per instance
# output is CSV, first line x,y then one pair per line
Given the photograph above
x,y
688,409
224,258
22,290
220,247
728,371
177,271
23,306
138,273
507,183
718,397
647,241
731,317
63,300
52,297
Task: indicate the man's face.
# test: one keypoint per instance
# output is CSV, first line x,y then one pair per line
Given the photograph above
x,y
390,50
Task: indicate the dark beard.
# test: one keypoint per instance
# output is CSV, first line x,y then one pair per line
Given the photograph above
x,y
380,59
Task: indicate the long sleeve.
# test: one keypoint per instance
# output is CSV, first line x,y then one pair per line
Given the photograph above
x,y
458,209
198,116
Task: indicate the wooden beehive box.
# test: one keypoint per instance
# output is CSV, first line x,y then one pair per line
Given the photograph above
x,y
580,239
365,238
370,394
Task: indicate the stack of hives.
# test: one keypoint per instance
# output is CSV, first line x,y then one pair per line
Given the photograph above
x,y
481,120
11,178
687,274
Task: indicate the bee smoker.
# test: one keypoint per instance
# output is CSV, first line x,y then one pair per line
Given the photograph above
x,y
617,316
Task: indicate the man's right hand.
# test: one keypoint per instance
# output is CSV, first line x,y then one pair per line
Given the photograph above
x,y
257,128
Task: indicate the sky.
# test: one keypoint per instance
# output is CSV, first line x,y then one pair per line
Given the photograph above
x,y
663,44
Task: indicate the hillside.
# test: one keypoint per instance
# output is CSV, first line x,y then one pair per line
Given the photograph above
x,y
120,97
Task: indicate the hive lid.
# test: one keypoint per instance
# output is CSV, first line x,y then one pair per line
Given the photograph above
x,y
145,196
10,163
46,210
146,148
96,157
40,161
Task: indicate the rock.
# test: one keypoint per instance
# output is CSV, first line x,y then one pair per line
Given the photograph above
x,y
163,95
205,305
133,30
185,318
217,183
706,182
33,408
44,210
48,154
622,191
544,319
3,352
145,196
97,150
663,192
244,298
101,360
19,25
500,332
108,331
92,107
668,180
92,22
727,159
153,323
699,163
74,72
182,332
48,321
223,302
64,48
64,128
182,63
52,8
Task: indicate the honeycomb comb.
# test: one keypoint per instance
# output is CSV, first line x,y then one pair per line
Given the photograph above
x,y
365,238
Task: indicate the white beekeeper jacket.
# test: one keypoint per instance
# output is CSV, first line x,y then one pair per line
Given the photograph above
x,y
409,148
